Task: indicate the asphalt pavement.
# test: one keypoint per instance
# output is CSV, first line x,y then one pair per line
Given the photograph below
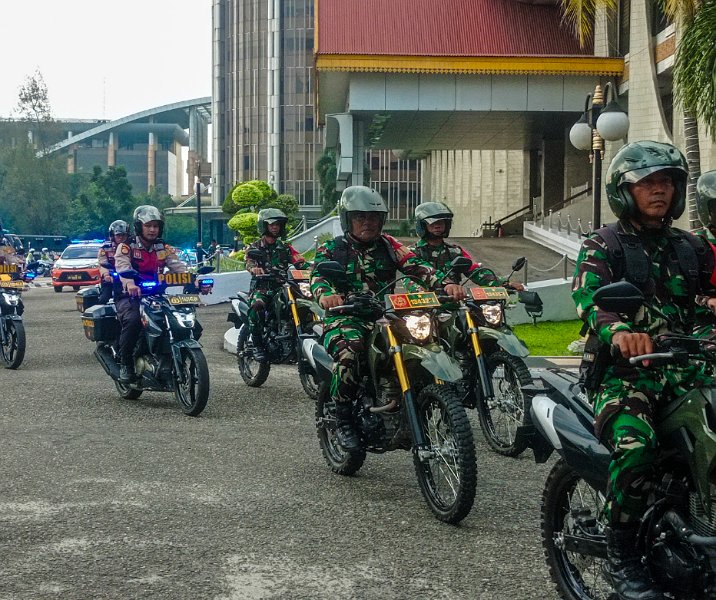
x,y
108,498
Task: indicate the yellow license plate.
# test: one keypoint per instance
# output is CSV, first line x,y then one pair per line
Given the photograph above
x,y
417,300
184,299
12,284
489,293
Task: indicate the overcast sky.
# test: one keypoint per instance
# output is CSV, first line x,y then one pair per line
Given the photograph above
x,y
103,59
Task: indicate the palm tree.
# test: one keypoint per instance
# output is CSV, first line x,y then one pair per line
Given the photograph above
x,y
694,67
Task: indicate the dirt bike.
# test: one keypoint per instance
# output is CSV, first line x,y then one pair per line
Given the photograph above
x,y
491,357
12,329
168,357
677,534
279,336
405,400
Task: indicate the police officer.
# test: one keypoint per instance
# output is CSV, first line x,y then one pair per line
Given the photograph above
x,y
371,260
278,254
646,188
433,221
118,233
147,254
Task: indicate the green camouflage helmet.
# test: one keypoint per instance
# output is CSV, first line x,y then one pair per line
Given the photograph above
x,y
706,197
359,198
268,216
430,212
638,160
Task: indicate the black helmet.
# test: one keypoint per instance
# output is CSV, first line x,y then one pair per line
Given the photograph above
x,y
145,214
359,198
638,160
430,212
706,197
118,226
268,216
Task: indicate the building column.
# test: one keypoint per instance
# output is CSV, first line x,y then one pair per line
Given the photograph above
x,y
71,161
151,162
358,152
112,149
552,173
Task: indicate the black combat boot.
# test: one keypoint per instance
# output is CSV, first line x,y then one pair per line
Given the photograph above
x,y
346,434
259,349
126,372
624,570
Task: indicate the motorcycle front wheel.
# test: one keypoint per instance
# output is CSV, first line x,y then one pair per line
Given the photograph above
x,y
308,379
126,392
12,349
192,393
447,473
571,509
340,461
252,372
501,415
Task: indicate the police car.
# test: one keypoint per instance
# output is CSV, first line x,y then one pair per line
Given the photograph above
x,y
77,266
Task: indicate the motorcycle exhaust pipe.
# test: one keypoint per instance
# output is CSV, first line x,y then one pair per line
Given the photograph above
x,y
380,409
105,358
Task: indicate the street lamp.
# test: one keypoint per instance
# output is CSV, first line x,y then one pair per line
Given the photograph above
x,y
197,180
599,123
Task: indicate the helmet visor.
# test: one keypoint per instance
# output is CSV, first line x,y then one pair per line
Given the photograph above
x,y
637,175
431,220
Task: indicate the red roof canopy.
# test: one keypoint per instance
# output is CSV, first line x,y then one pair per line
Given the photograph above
x,y
443,28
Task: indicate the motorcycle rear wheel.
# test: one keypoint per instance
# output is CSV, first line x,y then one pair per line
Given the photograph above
x,y
252,372
308,380
13,352
567,498
448,479
340,461
193,394
500,416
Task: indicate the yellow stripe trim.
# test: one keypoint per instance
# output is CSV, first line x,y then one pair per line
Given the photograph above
x,y
493,65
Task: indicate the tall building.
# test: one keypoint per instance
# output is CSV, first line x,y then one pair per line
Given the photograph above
x,y
263,111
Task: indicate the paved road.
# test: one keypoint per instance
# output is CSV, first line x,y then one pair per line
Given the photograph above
x,y
104,498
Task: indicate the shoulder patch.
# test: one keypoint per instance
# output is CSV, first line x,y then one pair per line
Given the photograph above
x,y
125,250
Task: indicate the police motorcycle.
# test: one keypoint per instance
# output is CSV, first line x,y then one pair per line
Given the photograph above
x,y
491,357
284,319
12,329
406,399
168,357
677,534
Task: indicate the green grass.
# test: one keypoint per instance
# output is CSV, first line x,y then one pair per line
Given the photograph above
x,y
549,338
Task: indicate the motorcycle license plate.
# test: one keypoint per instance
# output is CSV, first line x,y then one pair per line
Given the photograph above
x,y
417,300
489,293
184,299
300,274
12,284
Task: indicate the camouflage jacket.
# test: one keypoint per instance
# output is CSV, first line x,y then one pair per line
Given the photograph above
x,y
668,285
440,258
279,254
371,267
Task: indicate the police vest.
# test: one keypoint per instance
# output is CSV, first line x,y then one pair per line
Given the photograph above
x,y
148,262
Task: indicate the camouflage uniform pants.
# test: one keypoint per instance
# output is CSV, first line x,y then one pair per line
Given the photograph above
x,y
344,340
259,301
624,408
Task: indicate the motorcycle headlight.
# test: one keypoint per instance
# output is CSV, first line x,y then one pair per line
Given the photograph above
x,y
419,326
185,319
11,299
305,288
492,314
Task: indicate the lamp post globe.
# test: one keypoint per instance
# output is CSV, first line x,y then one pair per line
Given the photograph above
x,y
613,123
581,134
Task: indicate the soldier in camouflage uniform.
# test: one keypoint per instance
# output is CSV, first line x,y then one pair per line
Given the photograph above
x,y
433,221
646,187
706,204
271,225
371,260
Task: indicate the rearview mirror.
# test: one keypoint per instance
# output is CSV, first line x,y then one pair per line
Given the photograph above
x,y
331,270
204,270
255,254
619,297
460,264
519,264
131,274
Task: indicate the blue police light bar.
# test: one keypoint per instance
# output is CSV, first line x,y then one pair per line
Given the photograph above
x,y
148,284
30,275
206,282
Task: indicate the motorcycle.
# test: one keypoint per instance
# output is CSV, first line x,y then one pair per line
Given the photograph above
x,y
284,319
677,534
12,329
406,398
40,267
168,357
491,357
